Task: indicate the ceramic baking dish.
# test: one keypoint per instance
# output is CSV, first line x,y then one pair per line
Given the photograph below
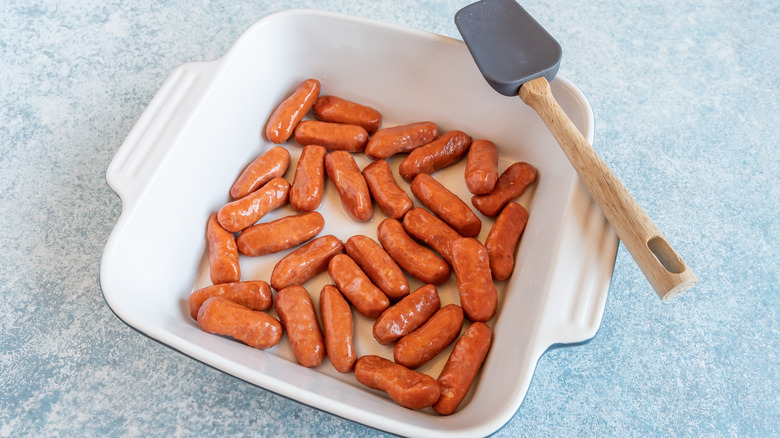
x,y
205,124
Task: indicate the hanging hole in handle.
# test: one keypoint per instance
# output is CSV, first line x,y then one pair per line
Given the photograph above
x,y
666,255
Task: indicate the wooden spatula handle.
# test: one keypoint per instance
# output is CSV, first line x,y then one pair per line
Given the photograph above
x,y
659,262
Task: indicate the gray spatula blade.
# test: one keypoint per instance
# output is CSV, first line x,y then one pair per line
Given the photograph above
x,y
508,45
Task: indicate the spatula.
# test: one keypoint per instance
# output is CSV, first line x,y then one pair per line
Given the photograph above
x,y
517,56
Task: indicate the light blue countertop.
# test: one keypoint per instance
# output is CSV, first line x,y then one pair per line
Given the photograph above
x,y
685,96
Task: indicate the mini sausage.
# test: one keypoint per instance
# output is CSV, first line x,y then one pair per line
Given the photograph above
x,y
265,168
478,295
357,287
481,167
410,389
338,110
255,295
423,344
400,139
462,366
291,111
272,237
333,136
406,315
391,199
224,317
305,262
383,271
446,205
429,229
309,182
438,154
223,253
243,213
414,258
338,329
350,185
503,238
511,185
296,311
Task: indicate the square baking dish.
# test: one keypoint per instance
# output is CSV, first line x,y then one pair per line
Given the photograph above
x,y
206,124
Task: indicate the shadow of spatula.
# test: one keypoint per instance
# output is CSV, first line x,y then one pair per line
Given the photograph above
x,y
517,56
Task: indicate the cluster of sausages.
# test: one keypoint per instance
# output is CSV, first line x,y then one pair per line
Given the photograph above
x,y
369,276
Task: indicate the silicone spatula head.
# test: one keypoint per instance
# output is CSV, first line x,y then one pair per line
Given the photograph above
x,y
508,45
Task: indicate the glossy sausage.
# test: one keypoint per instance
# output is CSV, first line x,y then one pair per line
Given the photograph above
x,y
291,111
511,185
400,139
481,167
438,154
462,366
338,110
224,317
223,253
502,239
338,329
408,388
423,344
446,205
333,136
245,212
350,185
255,295
391,199
296,311
368,299
305,262
414,258
406,315
265,168
383,271
287,232
478,295
309,182
425,227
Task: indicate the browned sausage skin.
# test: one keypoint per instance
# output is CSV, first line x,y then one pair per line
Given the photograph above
x,y
391,199
305,262
423,344
291,111
333,136
429,229
223,253
357,287
415,259
243,213
481,167
400,139
503,238
407,315
438,154
309,182
296,311
338,110
383,271
462,366
224,317
338,329
266,167
446,205
408,388
350,185
511,185
478,295
255,295
287,232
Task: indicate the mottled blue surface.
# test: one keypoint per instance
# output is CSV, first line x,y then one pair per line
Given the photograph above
x,y
687,110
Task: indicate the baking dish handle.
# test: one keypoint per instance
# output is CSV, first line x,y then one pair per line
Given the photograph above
x,y
157,130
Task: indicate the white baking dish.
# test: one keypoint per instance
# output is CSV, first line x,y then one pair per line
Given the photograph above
x,y
205,124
